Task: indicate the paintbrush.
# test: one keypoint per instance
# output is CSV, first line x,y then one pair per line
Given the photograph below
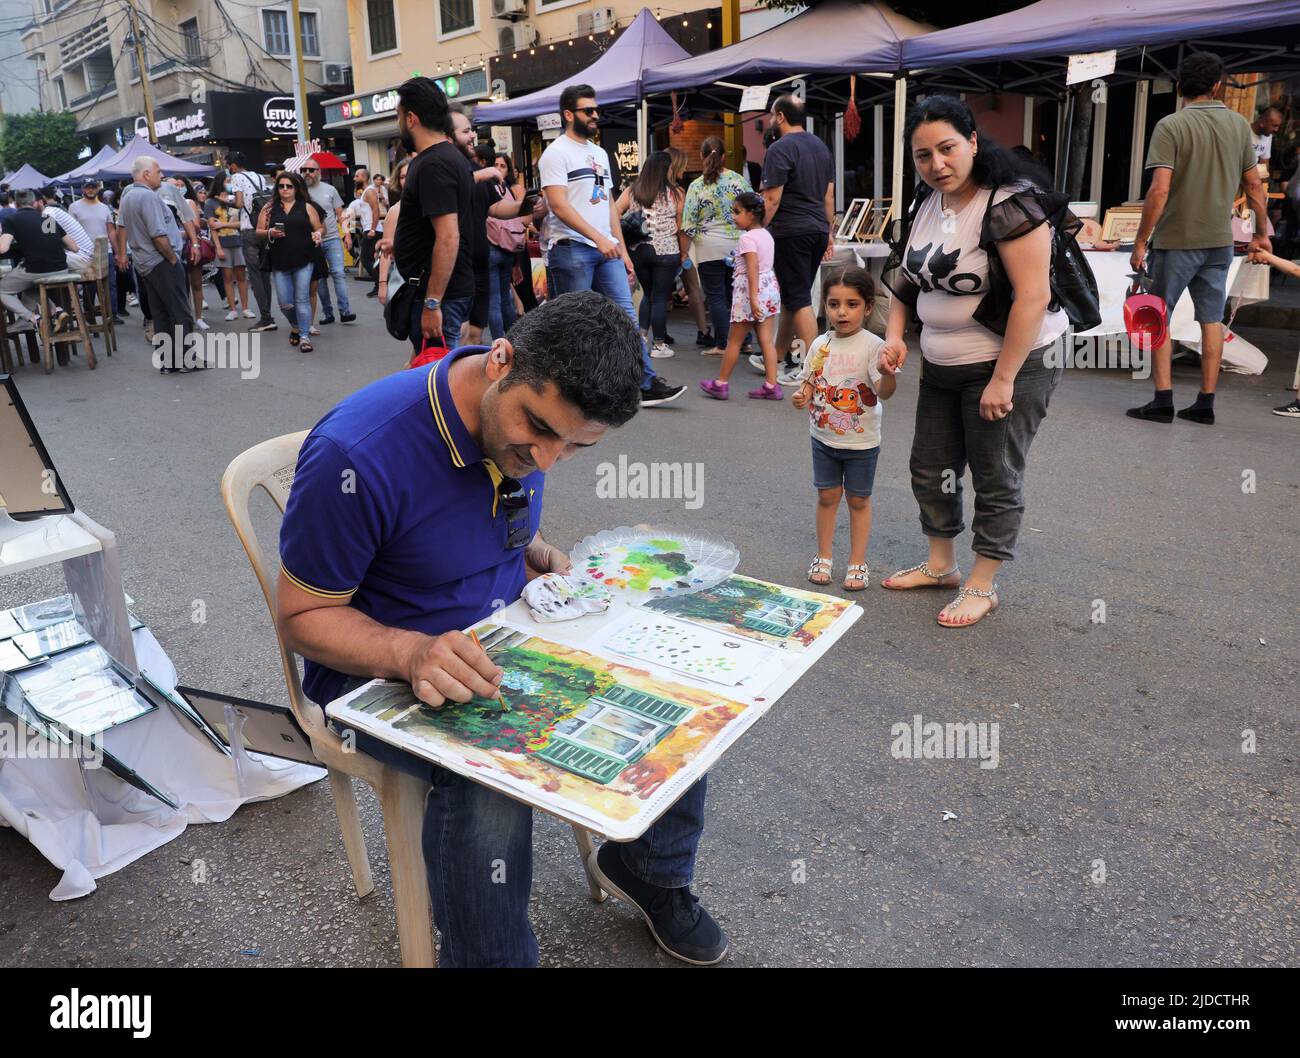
x,y
500,697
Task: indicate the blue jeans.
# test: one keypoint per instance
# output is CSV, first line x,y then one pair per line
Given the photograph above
x,y
294,291
501,307
574,265
334,258
478,851
715,278
657,274
454,312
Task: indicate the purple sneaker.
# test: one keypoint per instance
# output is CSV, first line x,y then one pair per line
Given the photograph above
x,y
767,391
716,390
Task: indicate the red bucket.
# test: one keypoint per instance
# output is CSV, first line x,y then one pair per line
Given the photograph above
x,y
1146,318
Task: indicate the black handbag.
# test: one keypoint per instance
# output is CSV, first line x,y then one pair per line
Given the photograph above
x,y
397,310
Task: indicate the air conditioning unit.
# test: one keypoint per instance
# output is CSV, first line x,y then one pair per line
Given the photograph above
x,y
596,20
514,38
510,9
338,73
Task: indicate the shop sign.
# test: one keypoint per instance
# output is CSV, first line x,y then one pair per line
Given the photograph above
x,y
280,113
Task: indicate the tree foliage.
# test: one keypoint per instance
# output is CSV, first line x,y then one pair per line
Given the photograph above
x,y
49,141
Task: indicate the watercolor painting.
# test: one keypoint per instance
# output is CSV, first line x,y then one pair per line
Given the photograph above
x,y
688,649
572,725
758,610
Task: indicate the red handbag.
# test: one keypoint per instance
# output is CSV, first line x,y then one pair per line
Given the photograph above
x,y
1146,318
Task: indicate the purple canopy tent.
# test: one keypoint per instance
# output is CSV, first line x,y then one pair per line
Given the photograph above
x,y
838,37
88,168
616,76
28,179
118,167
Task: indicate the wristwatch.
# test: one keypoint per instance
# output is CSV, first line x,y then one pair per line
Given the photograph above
x,y
432,303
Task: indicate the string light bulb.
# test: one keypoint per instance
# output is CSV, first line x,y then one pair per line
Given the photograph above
x,y
685,23
708,25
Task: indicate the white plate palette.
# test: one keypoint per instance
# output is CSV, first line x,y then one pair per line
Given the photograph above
x,y
650,563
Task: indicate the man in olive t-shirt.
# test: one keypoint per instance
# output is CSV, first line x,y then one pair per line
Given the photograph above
x,y
1199,156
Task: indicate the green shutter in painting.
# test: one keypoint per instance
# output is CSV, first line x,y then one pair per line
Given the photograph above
x,y
773,628
661,709
598,767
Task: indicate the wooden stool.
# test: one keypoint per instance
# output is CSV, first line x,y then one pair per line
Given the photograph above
x,y
7,336
95,283
66,282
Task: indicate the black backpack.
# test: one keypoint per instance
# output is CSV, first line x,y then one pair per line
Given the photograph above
x,y
261,196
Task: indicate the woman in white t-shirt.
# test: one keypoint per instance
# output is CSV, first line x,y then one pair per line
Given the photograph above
x,y
983,392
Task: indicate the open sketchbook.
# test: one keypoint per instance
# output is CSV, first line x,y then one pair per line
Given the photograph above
x,y
605,721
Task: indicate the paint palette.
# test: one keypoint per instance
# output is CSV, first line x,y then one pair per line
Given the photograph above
x,y
650,563
688,649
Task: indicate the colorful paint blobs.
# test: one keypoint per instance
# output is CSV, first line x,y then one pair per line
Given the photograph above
x,y
757,610
688,649
651,566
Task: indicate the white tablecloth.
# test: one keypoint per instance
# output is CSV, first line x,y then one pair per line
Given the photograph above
x,y
1246,283
90,823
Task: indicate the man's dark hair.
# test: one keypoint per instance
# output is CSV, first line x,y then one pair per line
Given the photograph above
x,y
1199,73
572,93
584,343
1273,110
5,198
236,158
49,192
791,109
422,97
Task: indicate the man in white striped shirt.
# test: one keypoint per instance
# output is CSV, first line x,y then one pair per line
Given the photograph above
x,y
79,261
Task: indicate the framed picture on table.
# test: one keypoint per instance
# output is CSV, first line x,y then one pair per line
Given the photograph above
x,y
1121,224
852,219
876,220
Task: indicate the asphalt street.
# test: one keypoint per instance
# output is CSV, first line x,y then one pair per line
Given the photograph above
x,y
1121,743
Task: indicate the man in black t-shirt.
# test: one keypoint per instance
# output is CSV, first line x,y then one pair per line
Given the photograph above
x,y
433,244
40,246
799,190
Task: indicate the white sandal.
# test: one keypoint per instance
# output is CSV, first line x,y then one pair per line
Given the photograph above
x,y
924,568
820,567
855,572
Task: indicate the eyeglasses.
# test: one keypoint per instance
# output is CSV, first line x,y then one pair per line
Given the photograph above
x,y
281,187
591,112
309,169
514,501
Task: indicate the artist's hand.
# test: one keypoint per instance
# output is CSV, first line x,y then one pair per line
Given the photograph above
x,y
893,353
802,396
995,401
541,557
431,324
451,667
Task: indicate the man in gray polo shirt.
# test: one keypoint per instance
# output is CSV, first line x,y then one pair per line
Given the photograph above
x,y
156,240
331,207
1199,156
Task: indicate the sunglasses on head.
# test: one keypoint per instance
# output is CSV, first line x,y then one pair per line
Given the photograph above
x,y
514,501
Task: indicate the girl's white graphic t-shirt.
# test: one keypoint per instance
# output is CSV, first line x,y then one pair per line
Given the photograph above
x,y
844,411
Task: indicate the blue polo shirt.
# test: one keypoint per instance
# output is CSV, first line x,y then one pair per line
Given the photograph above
x,y
394,508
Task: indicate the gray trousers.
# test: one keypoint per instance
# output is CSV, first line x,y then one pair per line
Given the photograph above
x,y
15,283
950,435
258,279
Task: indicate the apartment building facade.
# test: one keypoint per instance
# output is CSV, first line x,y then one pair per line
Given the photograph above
x,y
219,71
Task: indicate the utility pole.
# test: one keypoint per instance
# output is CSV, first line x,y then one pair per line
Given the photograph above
x,y
144,70
733,134
299,78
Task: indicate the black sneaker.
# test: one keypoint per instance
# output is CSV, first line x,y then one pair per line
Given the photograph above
x,y
325,321
660,392
1291,411
677,922
1205,416
705,340
1152,413
372,293
265,325
347,317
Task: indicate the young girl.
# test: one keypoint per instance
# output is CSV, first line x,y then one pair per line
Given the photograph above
x,y
842,383
1291,410
755,300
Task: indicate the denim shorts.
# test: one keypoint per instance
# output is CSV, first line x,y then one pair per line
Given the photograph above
x,y
1202,273
853,468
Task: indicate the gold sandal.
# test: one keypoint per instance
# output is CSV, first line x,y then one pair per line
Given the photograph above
x,y
924,568
991,594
